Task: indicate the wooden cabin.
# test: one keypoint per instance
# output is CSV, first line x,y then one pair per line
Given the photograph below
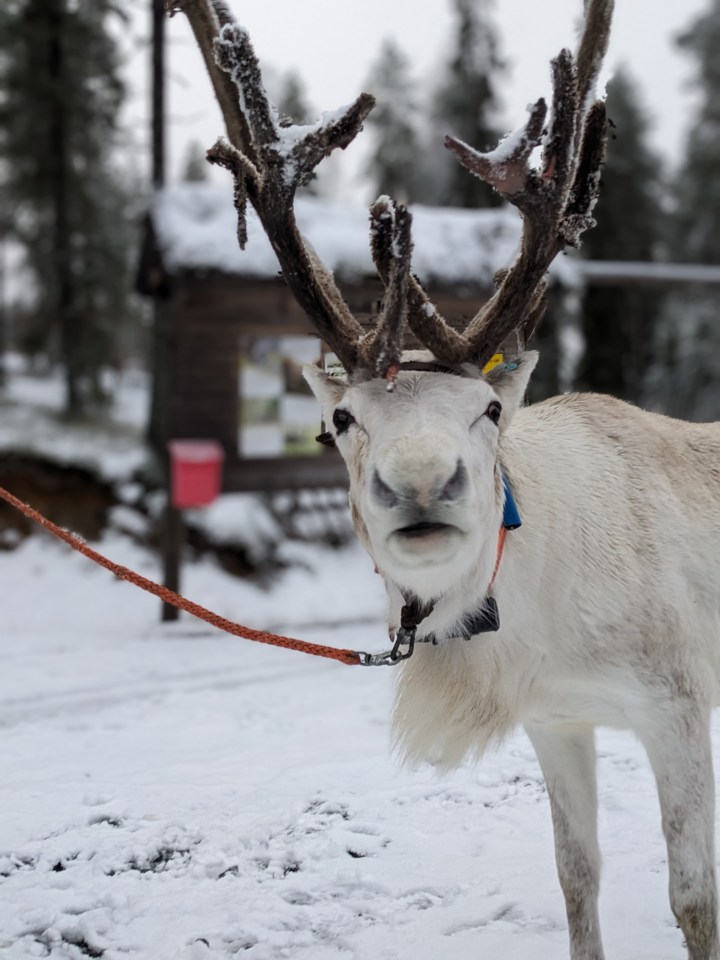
x,y
215,304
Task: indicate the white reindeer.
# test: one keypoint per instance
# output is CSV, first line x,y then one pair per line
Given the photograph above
x,y
608,595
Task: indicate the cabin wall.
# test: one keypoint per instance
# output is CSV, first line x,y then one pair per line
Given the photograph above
x,y
198,332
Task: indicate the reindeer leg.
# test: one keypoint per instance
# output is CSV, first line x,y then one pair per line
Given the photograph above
x,y
678,746
567,759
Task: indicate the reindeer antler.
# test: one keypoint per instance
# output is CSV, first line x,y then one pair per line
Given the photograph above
x,y
268,162
556,202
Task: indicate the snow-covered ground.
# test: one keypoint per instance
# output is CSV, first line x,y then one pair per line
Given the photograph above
x,y
167,791
31,423
172,792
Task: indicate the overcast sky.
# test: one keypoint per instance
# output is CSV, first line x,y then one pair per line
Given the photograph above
x,y
332,44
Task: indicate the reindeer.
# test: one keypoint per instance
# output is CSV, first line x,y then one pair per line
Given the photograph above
x,y
602,608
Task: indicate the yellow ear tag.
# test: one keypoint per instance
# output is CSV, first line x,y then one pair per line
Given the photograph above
x,y
493,362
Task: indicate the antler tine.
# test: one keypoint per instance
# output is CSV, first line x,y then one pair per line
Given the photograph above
x,y
381,235
586,185
235,56
392,246
559,142
556,203
424,319
205,24
593,47
505,169
268,163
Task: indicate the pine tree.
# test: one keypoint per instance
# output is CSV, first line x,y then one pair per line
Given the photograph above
x,y
60,98
293,107
292,102
393,164
617,322
698,188
467,105
686,378
196,165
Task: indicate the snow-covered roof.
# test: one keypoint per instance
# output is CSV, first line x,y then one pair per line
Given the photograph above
x,y
195,226
658,273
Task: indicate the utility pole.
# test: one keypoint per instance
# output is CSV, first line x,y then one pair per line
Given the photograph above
x,y
60,134
172,533
158,93
3,308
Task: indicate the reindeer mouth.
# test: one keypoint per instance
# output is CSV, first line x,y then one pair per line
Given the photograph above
x,y
423,544
415,531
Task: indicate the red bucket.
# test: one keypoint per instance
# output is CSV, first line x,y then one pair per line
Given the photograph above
x,y
195,472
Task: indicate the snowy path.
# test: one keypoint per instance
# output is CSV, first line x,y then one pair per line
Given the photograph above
x,y
175,793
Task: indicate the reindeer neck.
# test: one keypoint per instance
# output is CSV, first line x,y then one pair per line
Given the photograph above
x,y
465,608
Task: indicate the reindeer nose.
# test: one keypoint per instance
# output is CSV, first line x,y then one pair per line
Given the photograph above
x,y
384,494
425,492
455,487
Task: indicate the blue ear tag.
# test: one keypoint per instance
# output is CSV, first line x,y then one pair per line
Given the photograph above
x,y
511,514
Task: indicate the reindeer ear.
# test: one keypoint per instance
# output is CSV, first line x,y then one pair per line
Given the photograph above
x,y
328,390
510,381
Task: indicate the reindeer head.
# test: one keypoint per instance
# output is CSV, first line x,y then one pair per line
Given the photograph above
x,y
421,433
422,461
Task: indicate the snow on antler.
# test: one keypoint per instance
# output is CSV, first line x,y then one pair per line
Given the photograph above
x,y
268,162
556,201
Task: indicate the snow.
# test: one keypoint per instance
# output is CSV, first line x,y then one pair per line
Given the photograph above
x,y
172,792
508,146
289,137
239,519
617,271
196,229
112,445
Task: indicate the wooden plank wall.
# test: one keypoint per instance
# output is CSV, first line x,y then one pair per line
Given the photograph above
x,y
207,315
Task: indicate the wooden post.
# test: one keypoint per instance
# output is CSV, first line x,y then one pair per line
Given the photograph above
x,y
171,550
172,532
158,93
3,309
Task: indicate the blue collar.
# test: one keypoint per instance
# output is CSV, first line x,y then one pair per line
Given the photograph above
x,y
484,620
511,515
487,618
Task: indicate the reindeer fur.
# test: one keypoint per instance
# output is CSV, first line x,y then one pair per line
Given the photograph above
x,y
608,594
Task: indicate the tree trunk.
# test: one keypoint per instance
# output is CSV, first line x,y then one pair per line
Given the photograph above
x,y
3,311
158,94
65,294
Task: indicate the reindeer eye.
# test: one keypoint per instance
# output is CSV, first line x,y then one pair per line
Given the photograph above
x,y
494,411
343,419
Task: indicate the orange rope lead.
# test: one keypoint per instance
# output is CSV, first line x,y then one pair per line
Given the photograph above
x,y
502,537
169,596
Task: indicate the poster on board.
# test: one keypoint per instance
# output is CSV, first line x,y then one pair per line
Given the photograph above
x,y
279,415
